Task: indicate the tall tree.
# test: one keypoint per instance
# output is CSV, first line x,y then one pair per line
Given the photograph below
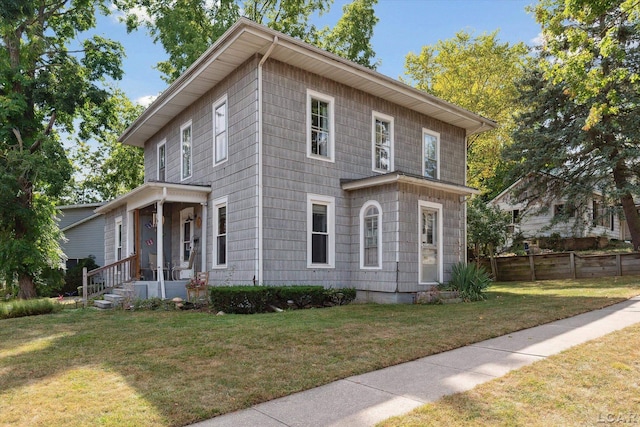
x,y
105,168
477,73
582,126
42,84
186,28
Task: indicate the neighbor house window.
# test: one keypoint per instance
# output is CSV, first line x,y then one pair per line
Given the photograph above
x,y
370,235
119,238
320,231
187,145
162,161
220,233
320,126
430,154
382,142
220,141
564,210
515,216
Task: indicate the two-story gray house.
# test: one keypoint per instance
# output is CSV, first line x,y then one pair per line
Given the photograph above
x,y
275,162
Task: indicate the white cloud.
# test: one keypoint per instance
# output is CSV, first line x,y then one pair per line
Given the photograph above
x,y
141,13
145,101
537,40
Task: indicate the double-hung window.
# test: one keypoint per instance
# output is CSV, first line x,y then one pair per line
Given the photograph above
x,y
220,140
320,231
220,232
370,235
186,145
320,126
382,153
162,160
430,154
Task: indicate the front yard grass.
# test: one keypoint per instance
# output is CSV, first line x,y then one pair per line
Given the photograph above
x,y
596,383
83,367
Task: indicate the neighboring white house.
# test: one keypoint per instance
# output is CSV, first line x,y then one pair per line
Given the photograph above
x,y
83,231
597,220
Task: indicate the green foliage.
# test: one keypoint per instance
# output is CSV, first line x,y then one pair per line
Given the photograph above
x,y
154,304
580,129
43,85
259,299
73,277
469,280
480,74
21,308
487,226
113,168
186,28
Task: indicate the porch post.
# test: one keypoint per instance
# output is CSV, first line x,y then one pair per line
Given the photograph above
x,y
160,252
203,239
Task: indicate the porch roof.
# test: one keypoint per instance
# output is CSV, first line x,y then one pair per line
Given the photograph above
x,y
402,177
155,191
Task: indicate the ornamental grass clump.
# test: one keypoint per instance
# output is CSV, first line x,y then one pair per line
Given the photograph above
x,y
469,280
21,308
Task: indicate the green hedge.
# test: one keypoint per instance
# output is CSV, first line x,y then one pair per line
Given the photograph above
x,y
22,308
260,299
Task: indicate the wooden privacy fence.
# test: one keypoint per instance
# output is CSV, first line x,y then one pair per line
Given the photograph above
x,y
566,265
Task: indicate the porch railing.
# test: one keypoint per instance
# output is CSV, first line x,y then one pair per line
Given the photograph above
x,y
101,280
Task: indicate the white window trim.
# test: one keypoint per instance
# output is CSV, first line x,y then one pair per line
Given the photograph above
x,y
437,207
218,103
330,202
120,230
219,203
383,117
184,214
332,126
363,210
182,128
162,143
426,131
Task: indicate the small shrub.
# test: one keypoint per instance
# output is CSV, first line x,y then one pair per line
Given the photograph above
x,y
73,277
259,299
154,304
22,308
469,280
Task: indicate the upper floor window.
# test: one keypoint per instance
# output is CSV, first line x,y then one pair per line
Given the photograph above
x,y
220,141
430,154
382,142
162,161
320,231
187,145
320,126
370,236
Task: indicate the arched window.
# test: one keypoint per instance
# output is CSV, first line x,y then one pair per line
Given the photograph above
x,y
370,235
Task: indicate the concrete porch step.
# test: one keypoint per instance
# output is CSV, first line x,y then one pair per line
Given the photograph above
x,y
114,298
103,304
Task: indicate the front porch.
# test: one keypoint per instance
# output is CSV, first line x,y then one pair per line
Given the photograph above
x,y
163,228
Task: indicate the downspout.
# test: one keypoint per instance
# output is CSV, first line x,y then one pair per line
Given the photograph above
x,y
159,240
259,257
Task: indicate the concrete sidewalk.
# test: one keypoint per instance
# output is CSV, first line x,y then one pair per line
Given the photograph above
x,y
364,400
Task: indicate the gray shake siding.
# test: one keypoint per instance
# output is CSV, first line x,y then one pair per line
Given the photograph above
x,y
269,182
289,175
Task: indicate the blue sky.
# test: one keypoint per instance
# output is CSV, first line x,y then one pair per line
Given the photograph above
x,y
405,26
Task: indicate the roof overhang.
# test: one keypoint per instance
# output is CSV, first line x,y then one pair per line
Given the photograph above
x,y
246,39
400,177
153,192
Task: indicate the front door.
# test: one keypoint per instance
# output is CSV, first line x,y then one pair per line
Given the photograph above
x,y
186,240
429,255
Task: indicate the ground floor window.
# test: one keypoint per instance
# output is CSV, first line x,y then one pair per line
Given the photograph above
x,y
220,232
370,236
320,231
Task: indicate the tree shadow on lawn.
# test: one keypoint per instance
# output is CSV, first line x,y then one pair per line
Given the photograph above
x,y
157,369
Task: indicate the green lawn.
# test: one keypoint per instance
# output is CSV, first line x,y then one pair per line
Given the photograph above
x,y
83,367
596,383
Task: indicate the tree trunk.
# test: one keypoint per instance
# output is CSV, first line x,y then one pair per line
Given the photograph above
x,y
620,174
27,288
